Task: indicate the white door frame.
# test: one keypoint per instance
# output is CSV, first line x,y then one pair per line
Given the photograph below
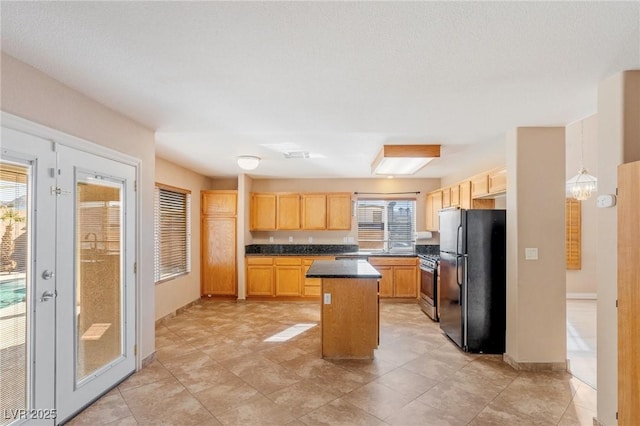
x,y
20,124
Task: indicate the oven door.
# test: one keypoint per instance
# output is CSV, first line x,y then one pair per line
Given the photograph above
x,y
428,296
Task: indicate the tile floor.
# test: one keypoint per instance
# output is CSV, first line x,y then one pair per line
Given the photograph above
x,y
581,339
213,368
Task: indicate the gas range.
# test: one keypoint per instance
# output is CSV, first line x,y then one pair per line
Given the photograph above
x,y
429,260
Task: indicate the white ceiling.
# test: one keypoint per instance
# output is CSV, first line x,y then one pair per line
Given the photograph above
x,y
339,79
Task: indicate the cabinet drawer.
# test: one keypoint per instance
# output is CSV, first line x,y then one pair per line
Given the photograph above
x,y
259,260
393,261
292,260
312,290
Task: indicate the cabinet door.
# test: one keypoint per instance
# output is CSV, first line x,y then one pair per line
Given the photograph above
x,y
497,181
429,213
455,196
446,197
288,211
339,211
259,280
405,281
314,211
219,203
219,276
263,211
465,194
479,186
437,206
288,280
386,282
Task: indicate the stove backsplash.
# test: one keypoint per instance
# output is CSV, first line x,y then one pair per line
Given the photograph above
x,y
428,249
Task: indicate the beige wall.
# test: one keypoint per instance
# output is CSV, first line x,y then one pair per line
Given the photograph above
x,y
536,307
583,283
174,294
618,143
30,94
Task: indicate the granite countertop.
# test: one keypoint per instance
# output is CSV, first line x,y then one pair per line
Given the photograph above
x,y
342,250
345,268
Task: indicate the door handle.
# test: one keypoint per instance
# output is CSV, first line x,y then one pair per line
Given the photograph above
x,y
48,295
47,274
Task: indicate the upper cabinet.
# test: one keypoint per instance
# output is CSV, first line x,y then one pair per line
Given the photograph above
x,y
433,207
489,183
314,211
219,203
288,211
263,211
497,181
271,211
339,211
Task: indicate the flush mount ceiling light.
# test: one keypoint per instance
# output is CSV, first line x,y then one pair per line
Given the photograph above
x,y
248,162
583,184
403,159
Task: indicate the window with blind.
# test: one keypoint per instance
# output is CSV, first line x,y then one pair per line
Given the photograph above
x,y
172,234
387,225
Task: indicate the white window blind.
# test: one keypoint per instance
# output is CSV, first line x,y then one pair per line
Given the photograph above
x,y
172,234
386,224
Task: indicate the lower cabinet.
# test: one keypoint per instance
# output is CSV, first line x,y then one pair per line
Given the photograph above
x,y
282,276
399,276
259,276
288,271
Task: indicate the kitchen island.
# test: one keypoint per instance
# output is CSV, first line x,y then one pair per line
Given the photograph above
x,y
349,307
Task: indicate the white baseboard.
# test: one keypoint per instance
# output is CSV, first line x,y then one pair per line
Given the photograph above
x,y
590,296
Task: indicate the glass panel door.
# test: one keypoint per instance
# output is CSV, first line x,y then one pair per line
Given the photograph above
x,y
27,280
99,277
96,222
14,290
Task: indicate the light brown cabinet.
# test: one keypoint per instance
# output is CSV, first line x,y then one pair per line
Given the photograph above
x,y
497,181
311,285
385,283
219,203
399,276
455,196
433,207
271,211
338,211
465,194
314,211
263,211
259,276
218,243
282,276
288,211
446,198
288,275
479,185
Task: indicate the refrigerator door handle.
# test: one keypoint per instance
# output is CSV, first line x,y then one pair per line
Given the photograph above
x,y
458,280
458,235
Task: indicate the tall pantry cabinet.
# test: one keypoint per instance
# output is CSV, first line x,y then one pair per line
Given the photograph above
x,y
218,240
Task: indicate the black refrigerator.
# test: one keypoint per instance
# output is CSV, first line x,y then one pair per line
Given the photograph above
x,y
473,273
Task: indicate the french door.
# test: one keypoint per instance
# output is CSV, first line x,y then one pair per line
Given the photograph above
x,y
79,304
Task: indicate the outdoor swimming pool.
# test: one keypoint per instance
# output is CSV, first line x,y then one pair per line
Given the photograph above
x,y
12,292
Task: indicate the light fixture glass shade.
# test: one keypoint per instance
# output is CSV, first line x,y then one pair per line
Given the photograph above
x,y
248,162
582,185
400,165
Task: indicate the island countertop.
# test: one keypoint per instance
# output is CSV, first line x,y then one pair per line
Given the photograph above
x,y
344,268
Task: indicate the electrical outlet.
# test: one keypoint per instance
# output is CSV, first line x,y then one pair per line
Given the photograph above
x,y
327,298
270,239
310,240
290,239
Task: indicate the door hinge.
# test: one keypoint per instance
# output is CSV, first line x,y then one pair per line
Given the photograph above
x,y
135,350
135,267
616,415
135,185
616,303
56,190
